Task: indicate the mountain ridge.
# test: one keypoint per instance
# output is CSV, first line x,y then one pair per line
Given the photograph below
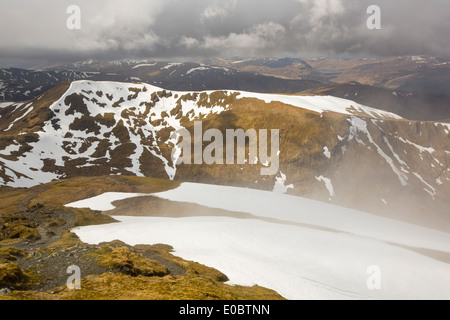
x,y
355,158
376,87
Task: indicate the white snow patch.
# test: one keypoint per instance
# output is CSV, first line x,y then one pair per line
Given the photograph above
x,y
326,152
360,125
144,65
328,185
104,201
170,65
197,69
280,182
393,152
419,147
21,117
293,259
432,192
6,104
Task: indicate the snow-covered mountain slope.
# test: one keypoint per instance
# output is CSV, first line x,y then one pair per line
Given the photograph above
x,y
301,248
97,122
89,111
331,149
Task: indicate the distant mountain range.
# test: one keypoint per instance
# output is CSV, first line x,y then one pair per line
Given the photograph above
x,y
411,73
20,84
416,88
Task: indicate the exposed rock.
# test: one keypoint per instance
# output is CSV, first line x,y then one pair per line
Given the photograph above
x,y
5,291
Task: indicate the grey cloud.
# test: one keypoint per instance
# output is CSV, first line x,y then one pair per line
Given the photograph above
x,y
115,29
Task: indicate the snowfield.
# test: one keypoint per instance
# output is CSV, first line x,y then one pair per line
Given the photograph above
x,y
301,248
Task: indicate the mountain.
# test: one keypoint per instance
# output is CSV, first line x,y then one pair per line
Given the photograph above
x,y
331,149
413,87
286,68
409,73
21,84
408,104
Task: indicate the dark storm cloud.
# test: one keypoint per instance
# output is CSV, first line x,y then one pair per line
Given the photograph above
x,y
113,29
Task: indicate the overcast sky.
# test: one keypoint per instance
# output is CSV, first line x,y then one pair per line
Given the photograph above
x,y
193,29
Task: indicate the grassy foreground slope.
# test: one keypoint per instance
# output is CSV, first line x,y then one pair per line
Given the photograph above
x,y
37,247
